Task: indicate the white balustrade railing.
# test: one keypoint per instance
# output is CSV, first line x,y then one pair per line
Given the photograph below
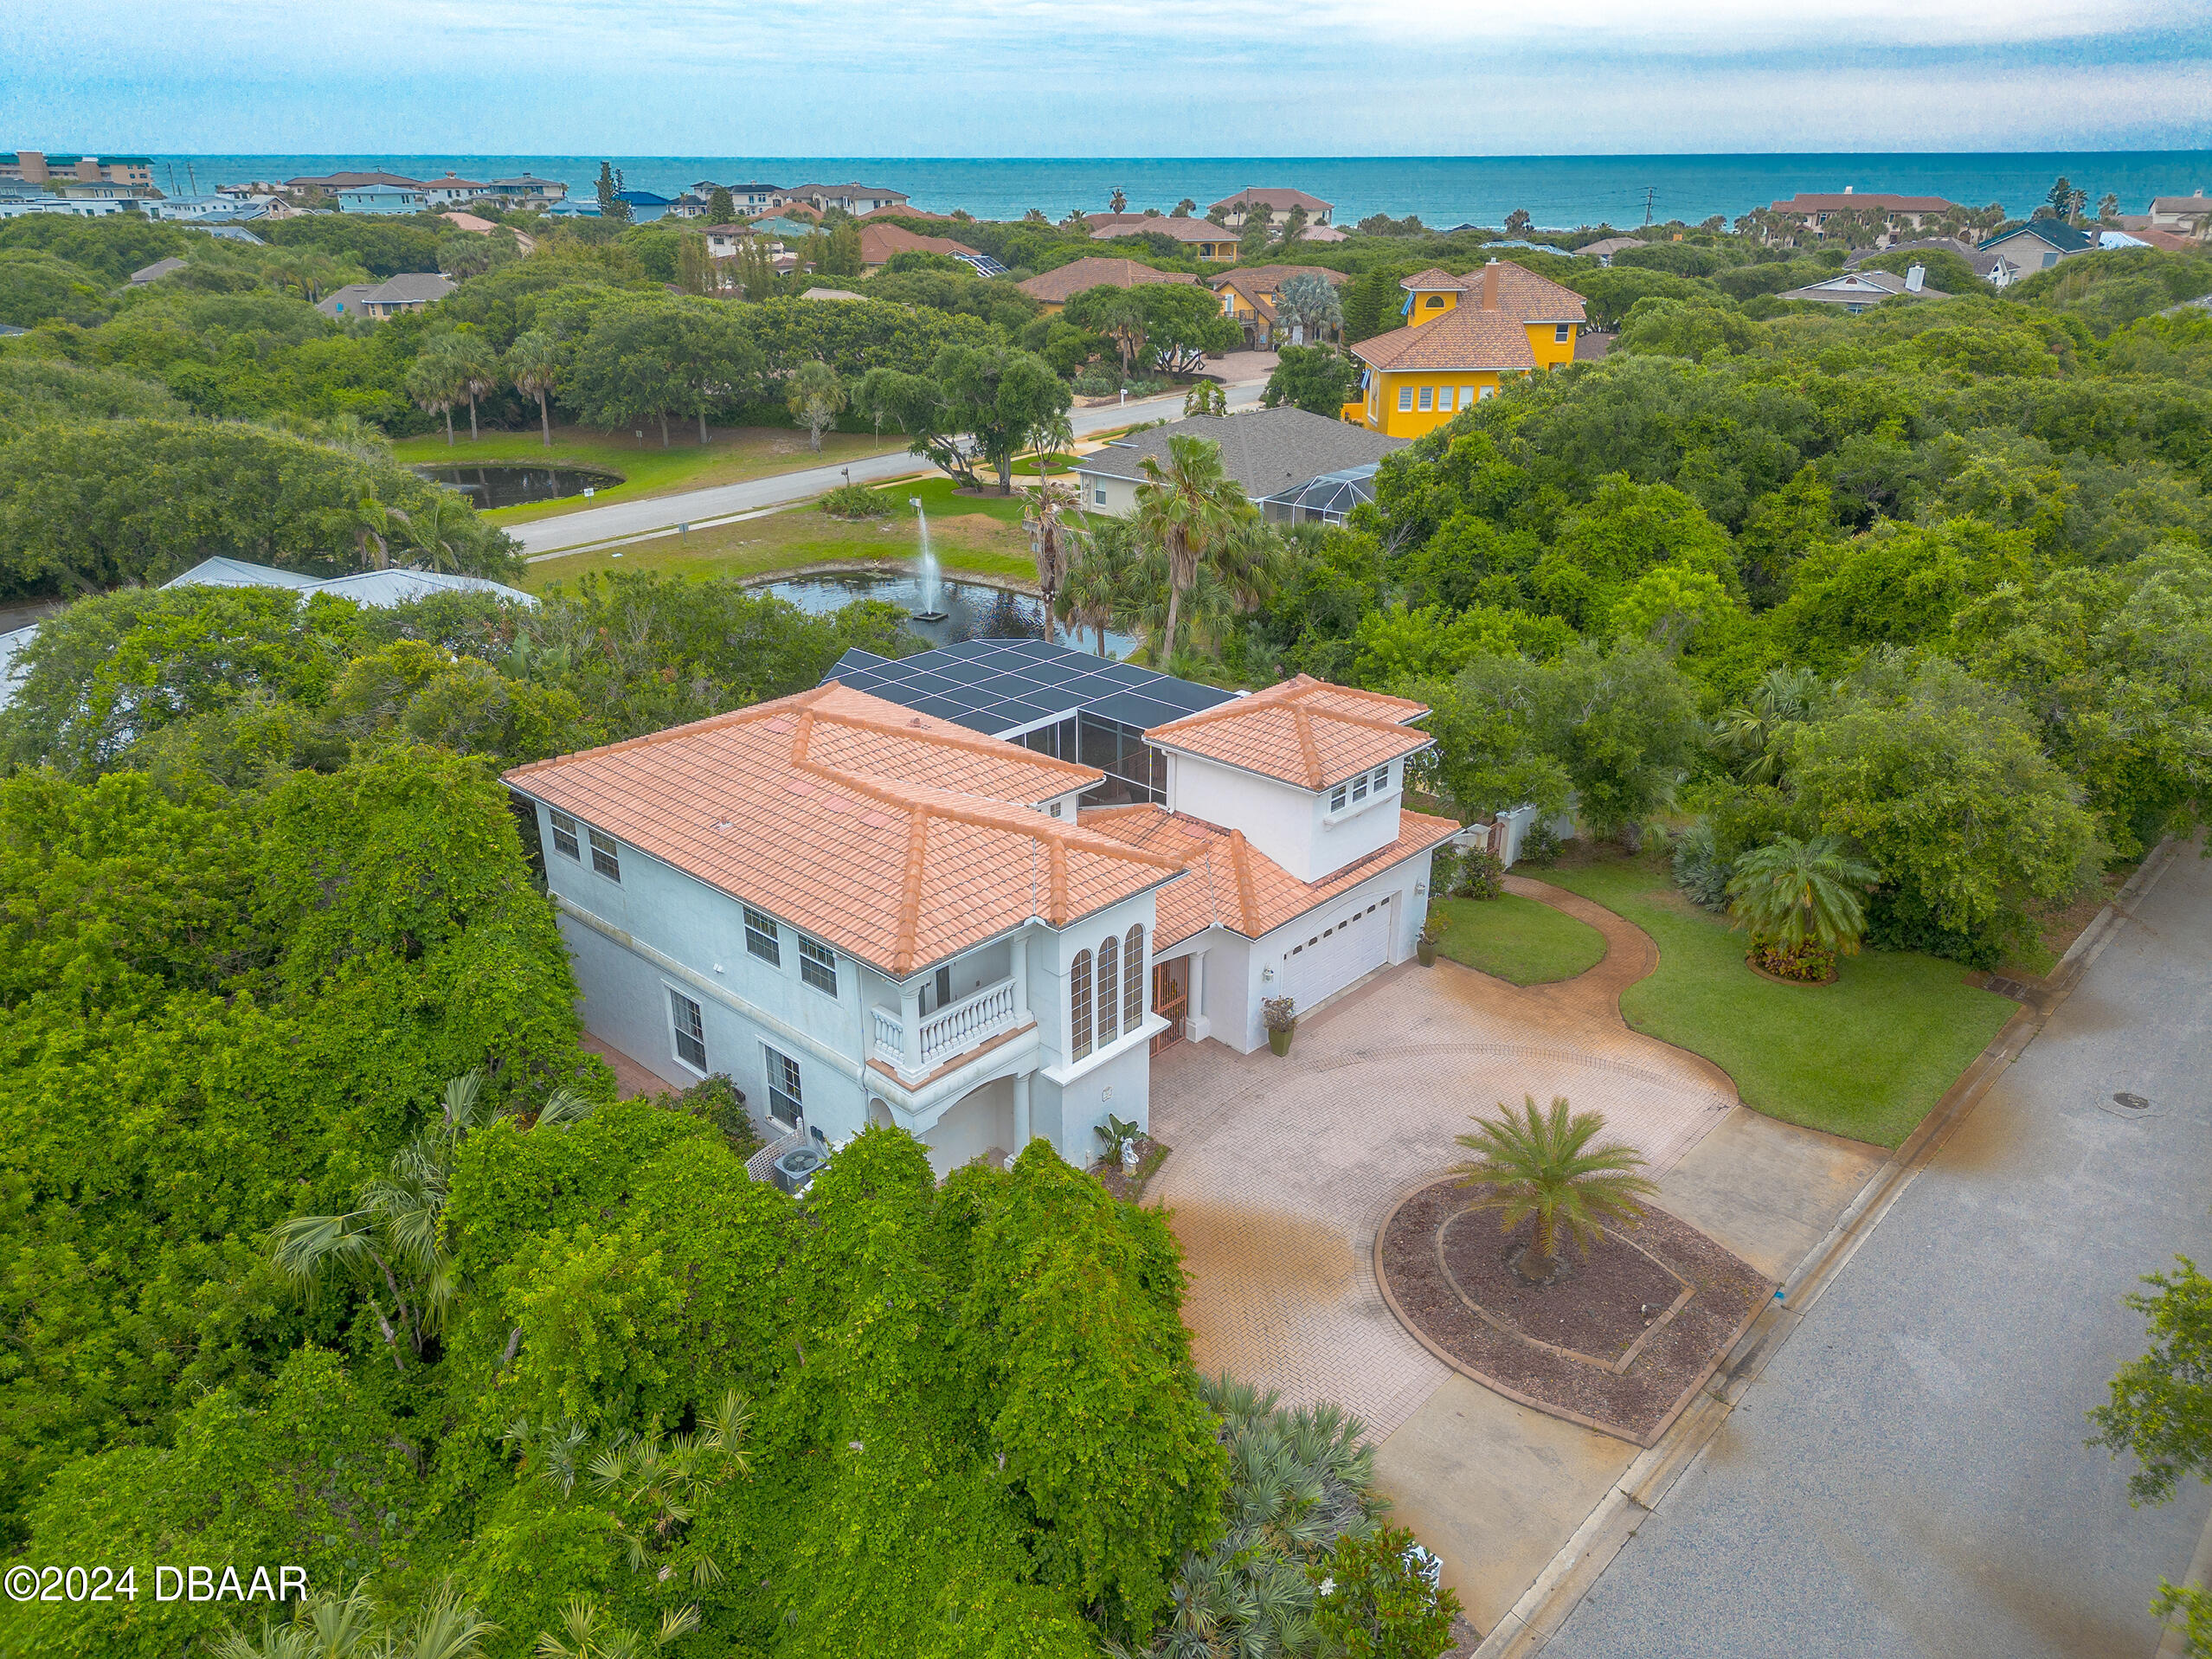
x,y
889,1035
952,1030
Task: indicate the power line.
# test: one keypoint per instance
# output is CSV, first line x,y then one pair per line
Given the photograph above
x,y
1649,191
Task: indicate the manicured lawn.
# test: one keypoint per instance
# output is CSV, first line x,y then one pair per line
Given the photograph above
x,y
731,455
1516,939
975,536
1867,1057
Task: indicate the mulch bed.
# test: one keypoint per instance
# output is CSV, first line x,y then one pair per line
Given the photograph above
x,y
1620,1344
1151,1154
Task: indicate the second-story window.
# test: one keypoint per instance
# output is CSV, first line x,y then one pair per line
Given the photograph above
x,y
818,966
1133,977
1359,788
1079,1006
762,937
1562,332
1110,986
564,836
1381,779
1339,796
606,856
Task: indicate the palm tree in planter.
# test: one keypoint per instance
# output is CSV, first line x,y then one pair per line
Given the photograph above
x,y
1542,1163
1799,900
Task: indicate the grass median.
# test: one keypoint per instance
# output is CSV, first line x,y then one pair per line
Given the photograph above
x,y
1867,1057
1516,939
731,455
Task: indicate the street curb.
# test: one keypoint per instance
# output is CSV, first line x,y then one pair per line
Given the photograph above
x,y
1571,1573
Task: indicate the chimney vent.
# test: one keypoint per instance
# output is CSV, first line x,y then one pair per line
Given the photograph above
x,y
1490,286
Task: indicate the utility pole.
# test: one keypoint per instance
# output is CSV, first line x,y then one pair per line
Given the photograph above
x,y
1649,191
188,179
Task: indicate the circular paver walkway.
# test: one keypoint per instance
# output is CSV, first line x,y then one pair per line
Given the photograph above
x,y
1283,1170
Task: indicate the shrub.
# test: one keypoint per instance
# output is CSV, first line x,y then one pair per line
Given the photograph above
x,y
850,501
718,1101
1444,871
1481,875
1806,963
1280,1013
1380,1598
1700,869
1539,848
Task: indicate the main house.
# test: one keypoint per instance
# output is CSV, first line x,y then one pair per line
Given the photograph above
x,y
1461,335
974,897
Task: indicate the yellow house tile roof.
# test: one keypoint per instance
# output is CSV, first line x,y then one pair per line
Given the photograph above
x,y
1464,339
1303,731
1231,883
895,836
1521,293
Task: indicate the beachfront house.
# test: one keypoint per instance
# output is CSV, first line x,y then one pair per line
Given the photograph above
x,y
1197,238
1273,204
2038,244
1052,289
1270,454
383,199
855,199
1813,209
2182,216
863,913
1462,334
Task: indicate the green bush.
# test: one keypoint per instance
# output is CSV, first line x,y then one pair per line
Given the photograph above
x,y
1378,1600
855,501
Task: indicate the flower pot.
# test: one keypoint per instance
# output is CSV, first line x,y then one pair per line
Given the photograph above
x,y
1278,1042
1426,950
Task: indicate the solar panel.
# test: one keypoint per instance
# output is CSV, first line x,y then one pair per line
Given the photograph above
x,y
998,685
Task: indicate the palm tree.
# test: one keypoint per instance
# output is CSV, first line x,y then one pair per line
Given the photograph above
x,y
434,381
1121,320
534,364
1185,508
1093,589
476,370
324,1626
392,1245
591,1633
373,523
1784,698
815,395
1308,304
1794,893
1542,1164
1053,434
1050,538
443,533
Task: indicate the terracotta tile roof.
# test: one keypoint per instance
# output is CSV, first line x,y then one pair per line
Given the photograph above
x,y
879,242
1105,227
1266,279
1304,731
1872,201
1435,277
1057,285
1277,196
1520,293
1467,337
1231,883
895,836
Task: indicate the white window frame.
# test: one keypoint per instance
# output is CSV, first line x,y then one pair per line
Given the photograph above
x,y
1428,399
564,836
781,1069
1360,789
810,965
1481,392
606,856
1405,400
1339,797
1562,332
760,926
683,1012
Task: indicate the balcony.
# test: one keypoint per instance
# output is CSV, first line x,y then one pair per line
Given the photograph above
x,y
952,1031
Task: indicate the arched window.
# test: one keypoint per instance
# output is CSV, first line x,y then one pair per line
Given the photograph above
x,y
1110,986
1133,998
1079,1006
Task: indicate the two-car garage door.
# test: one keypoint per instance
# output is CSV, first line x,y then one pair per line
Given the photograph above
x,y
1335,953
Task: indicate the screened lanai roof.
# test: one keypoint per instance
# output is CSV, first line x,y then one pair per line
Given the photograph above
x,y
1334,493
1006,686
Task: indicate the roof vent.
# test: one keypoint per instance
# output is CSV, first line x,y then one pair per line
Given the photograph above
x,y
1914,276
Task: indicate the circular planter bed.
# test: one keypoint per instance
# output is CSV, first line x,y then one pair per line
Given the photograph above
x,y
1619,1340
1751,962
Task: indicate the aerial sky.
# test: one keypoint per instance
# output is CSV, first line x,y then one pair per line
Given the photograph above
x,y
1106,77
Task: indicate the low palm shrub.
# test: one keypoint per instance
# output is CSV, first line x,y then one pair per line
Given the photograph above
x,y
1800,902
1542,1163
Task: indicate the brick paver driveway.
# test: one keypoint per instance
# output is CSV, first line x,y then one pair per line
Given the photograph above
x,y
1283,1170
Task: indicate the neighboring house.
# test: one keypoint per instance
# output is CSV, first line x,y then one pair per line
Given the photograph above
x,y
727,242
1856,290
1205,240
879,242
855,199
2142,236
832,293
1983,263
1815,211
1603,251
155,272
1247,295
1268,453
645,205
1052,289
752,197
469,221
100,190
376,588
451,191
383,199
527,191
1276,202
331,184
93,207
410,291
200,206
783,230
133,173
1462,334
866,911
2187,215
2038,245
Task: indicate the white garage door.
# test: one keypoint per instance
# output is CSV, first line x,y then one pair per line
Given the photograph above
x,y
1335,953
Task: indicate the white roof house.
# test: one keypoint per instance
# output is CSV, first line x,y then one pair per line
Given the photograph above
x,y
376,588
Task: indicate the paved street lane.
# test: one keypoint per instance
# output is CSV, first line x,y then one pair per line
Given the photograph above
x,y
1908,1478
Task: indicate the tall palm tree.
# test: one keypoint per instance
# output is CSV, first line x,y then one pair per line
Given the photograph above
x,y
1308,304
434,382
392,1244
1794,893
373,526
477,369
1185,508
442,533
1051,540
1091,590
1542,1163
534,365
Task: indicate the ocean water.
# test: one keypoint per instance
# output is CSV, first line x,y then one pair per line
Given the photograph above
x,y
1445,190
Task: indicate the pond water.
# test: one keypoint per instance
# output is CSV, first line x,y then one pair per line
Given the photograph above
x,y
518,485
973,610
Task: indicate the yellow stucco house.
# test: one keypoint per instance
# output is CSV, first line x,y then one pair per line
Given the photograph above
x,y
1462,334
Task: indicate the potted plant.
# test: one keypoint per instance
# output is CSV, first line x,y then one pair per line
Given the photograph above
x,y
1281,1016
1425,946
1799,900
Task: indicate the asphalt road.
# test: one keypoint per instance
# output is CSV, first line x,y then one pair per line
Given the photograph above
x,y
1909,1476
660,512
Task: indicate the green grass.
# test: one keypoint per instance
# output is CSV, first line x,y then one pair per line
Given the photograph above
x,y
731,455
1867,1057
1516,939
980,536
